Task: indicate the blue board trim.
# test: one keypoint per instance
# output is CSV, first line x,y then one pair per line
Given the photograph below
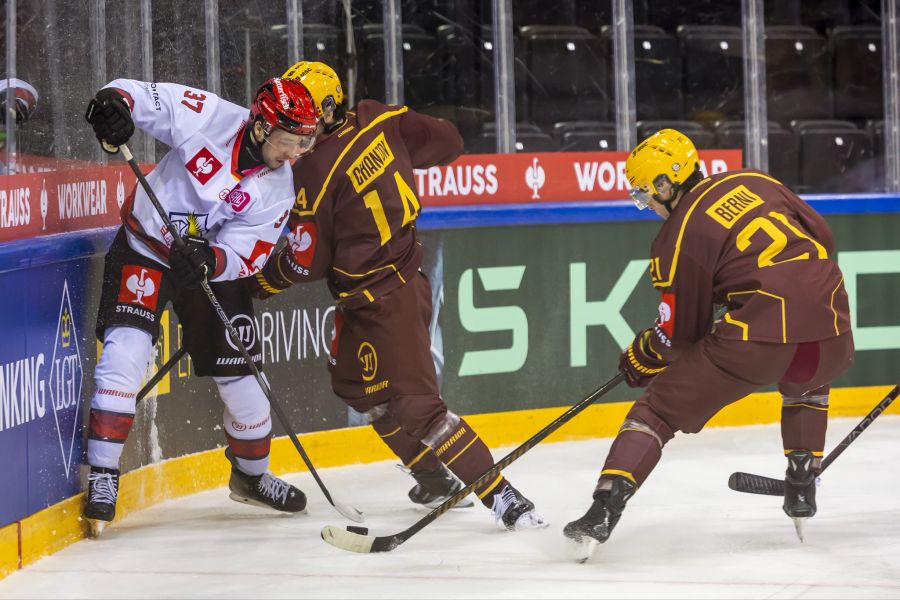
x,y
50,249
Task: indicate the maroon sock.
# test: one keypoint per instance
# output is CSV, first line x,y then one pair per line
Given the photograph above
x,y
415,455
633,455
803,427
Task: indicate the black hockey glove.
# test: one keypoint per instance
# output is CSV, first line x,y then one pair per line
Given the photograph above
x,y
110,117
270,280
193,263
639,362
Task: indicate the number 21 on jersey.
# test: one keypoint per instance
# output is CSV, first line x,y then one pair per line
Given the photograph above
x,y
407,198
771,254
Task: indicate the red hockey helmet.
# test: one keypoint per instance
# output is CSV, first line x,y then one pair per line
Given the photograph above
x,y
285,104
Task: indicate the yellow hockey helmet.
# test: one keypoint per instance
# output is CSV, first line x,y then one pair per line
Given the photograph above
x,y
666,157
321,81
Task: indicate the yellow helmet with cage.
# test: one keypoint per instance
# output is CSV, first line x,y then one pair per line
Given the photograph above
x,y
665,160
321,81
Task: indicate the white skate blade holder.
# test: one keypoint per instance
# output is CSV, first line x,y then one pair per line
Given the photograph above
x,y
96,527
583,549
798,526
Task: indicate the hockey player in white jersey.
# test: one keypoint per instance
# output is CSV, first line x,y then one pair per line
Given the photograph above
x,y
227,186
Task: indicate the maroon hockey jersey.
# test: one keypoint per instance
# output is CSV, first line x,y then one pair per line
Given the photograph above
x,y
744,241
354,218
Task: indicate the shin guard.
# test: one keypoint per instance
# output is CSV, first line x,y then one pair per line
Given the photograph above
x,y
633,455
118,375
804,421
416,456
248,425
467,456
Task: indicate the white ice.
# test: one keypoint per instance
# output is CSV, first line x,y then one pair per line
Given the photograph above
x,y
685,534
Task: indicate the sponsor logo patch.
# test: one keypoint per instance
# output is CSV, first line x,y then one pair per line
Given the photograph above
x,y
535,177
281,219
66,376
246,330
186,224
666,320
258,257
203,166
237,198
303,243
368,359
139,285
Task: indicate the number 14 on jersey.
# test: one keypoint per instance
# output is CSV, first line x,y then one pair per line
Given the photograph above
x,y
408,199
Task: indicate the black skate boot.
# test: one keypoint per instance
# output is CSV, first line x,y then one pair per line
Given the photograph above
x,y
800,487
515,511
433,488
599,521
100,500
265,491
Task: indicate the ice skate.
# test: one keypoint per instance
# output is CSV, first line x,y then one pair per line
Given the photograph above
x,y
800,488
265,491
433,488
515,511
100,502
598,522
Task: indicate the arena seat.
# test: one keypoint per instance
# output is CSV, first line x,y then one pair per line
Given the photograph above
x,y
702,137
671,15
585,136
782,148
713,72
657,71
798,74
834,156
857,61
565,73
527,140
421,80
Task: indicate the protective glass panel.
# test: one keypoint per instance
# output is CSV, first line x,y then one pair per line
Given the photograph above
x,y
689,72
564,85
824,95
253,46
54,53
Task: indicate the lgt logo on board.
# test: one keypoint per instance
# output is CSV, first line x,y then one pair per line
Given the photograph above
x,y
66,377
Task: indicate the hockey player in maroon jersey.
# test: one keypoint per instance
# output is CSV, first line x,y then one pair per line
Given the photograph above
x,y
353,223
225,183
743,241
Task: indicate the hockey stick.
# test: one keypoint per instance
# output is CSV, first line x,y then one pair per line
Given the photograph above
x,y
160,374
356,539
347,511
768,486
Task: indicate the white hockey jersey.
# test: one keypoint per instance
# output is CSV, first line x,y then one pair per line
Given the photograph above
x,y
197,181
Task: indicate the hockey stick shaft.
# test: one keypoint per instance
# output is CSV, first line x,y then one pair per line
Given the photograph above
x,y
862,426
157,377
349,540
769,486
349,512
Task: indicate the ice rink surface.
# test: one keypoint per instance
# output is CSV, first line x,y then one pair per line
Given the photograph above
x,y
684,535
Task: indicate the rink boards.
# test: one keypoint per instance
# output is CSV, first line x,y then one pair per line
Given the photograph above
x,y
534,310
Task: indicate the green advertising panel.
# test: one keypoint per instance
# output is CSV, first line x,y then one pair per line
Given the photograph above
x,y
536,316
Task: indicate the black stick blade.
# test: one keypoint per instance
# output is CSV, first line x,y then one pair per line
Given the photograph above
x,y
756,484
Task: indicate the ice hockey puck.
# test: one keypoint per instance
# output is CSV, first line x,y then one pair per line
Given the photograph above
x,y
359,530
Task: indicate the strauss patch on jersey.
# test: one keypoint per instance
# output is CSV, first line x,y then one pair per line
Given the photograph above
x,y
203,165
302,239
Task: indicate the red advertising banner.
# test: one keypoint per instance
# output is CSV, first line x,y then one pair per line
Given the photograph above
x,y
545,177
72,199
46,202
